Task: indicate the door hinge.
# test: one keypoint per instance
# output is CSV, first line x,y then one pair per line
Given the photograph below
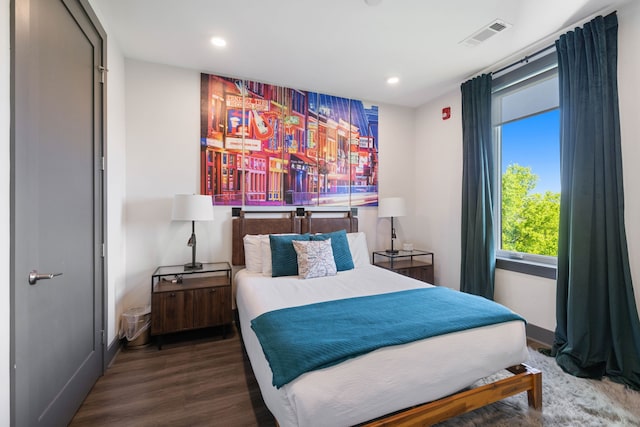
x,y
102,336
103,249
102,163
102,70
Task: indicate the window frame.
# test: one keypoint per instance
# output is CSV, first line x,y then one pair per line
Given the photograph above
x,y
533,71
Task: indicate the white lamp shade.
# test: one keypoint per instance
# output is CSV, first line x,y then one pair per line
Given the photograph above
x,y
192,207
391,206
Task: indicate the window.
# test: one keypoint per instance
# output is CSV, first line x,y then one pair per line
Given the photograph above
x,y
526,123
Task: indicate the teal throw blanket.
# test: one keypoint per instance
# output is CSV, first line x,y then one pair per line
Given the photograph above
x,y
296,340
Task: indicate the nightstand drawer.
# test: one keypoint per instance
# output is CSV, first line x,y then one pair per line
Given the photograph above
x,y
421,273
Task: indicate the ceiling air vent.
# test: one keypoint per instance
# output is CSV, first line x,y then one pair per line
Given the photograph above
x,y
485,32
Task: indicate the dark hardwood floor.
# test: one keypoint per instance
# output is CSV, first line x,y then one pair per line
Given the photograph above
x,y
197,379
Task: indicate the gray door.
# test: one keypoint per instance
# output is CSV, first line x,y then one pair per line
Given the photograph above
x,y
56,209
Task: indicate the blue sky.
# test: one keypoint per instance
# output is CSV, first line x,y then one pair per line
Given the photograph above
x,y
535,142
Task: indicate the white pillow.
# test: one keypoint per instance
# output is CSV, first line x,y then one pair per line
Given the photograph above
x,y
265,253
359,249
253,251
315,258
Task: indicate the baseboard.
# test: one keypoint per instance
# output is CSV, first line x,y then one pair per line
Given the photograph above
x,y
541,335
111,352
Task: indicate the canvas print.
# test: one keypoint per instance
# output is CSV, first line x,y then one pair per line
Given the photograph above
x,y
266,145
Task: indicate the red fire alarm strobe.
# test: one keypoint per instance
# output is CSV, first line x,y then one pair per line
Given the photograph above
x,y
446,113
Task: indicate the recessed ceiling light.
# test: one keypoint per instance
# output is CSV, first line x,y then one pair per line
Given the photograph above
x,y
218,42
393,80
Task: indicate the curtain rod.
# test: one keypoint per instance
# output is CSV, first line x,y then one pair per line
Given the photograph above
x,y
525,59
533,55
550,38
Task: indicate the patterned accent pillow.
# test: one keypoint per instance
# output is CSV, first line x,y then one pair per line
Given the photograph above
x,y
315,258
340,246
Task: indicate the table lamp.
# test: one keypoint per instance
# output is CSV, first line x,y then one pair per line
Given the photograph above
x,y
192,207
392,207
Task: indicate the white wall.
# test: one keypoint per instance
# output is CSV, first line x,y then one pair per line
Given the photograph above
x,y
162,151
438,163
5,294
439,176
397,176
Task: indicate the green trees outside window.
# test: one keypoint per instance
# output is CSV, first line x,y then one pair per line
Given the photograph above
x,y
529,220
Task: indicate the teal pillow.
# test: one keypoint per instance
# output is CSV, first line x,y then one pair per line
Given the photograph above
x,y
340,246
284,260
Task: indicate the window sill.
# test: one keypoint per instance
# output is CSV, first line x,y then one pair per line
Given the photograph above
x,y
527,267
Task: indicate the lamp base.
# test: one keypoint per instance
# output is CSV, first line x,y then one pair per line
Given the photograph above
x,y
392,251
193,266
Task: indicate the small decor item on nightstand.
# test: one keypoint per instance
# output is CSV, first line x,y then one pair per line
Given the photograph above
x,y
407,247
390,207
192,207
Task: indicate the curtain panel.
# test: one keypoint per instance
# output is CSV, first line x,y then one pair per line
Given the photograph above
x,y
478,260
597,332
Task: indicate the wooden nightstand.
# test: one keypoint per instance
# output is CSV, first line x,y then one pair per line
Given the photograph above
x,y
416,263
182,300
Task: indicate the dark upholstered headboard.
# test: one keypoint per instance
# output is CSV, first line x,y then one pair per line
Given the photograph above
x,y
317,223
312,222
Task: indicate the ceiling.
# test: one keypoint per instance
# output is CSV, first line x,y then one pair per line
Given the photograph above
x,y
341,47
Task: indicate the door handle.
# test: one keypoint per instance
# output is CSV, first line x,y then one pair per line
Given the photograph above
x,y
34,276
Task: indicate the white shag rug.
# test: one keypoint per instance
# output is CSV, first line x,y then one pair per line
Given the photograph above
x,y
566,401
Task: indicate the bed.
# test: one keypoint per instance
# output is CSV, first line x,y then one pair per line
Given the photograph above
x,y
417,382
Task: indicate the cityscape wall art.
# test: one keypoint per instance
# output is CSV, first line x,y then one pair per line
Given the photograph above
x,y
266,145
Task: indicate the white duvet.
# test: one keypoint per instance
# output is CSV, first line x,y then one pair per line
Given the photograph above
x,y
382,381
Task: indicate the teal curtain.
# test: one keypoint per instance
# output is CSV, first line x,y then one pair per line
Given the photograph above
x,y
597,332
478,259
